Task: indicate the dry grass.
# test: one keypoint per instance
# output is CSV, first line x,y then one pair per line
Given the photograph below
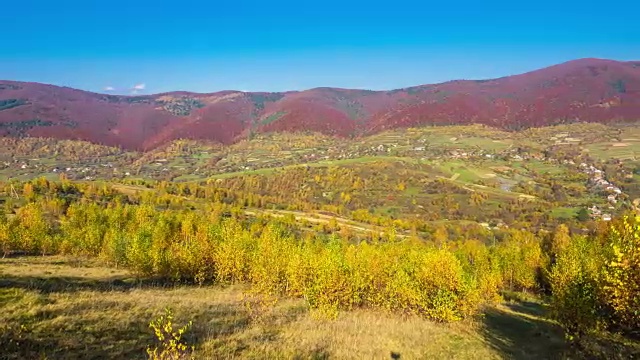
x,y
366,334
65,308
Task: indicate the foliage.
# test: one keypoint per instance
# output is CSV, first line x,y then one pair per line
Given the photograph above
x,y
332,274
11,103
26,124
621,277
259,99
128,99
619,86
582,215
181,106
10,87
595,282
574,285
171,344
272,117
445,277
520,258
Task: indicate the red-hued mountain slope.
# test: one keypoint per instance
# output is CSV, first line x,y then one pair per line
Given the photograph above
x,y
583,90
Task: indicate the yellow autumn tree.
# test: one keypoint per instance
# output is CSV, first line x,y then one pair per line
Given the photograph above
x,y
621,276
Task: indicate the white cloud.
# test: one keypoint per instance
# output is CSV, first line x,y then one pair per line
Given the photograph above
x,y
109,88
139,86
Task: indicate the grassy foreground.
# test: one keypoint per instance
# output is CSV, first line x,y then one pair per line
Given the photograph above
x,y
68,308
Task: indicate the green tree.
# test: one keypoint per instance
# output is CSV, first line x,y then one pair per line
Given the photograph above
x,y
582,215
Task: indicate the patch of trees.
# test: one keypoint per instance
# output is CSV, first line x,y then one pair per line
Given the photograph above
x,y
593,282
182,106
61,149
11,103
9,87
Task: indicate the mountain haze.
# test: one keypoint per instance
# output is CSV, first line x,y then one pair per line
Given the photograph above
x,y
590,90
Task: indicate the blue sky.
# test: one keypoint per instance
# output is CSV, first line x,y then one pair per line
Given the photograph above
x,y
283,45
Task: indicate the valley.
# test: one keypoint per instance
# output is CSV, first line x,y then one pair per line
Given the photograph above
x,y
319,180
562,169
465,234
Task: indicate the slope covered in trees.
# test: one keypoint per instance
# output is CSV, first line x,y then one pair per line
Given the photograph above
x,y
586,90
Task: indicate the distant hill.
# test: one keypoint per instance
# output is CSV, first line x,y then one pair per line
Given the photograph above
x,y
586,90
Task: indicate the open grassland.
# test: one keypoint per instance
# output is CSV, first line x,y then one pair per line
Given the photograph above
x,y
65,307
325,163
628,150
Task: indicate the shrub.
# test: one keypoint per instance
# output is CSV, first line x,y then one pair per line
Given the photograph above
x,y
595,283
171,345
621,274
520,260
482,268
575,287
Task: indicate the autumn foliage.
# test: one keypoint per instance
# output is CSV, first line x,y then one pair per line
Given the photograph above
x,y
594,281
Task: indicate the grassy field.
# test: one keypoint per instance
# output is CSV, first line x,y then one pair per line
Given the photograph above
x,y
266,171
63,307
564,212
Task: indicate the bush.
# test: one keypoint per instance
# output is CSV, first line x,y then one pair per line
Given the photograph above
x,y
595,283
575,287
621,274
171,345
520,260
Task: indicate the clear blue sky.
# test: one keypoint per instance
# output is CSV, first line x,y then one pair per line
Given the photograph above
x,y
284,45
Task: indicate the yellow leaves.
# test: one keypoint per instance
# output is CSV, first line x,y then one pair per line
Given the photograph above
x,y
621,275
332,274
520,260
394,276
589,277
28,192
345,197
561,239
171,346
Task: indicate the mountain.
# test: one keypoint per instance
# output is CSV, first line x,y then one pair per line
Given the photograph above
x,y
591,90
